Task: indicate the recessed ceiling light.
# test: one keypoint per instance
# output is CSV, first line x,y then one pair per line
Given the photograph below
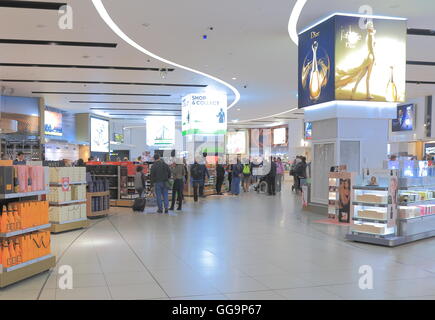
x,y
85,57
238,109
234,78
235,120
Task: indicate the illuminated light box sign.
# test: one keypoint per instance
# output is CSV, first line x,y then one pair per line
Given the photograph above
x,y
160,131
53,123
279,136
405,118
352,57
204,114
308,132
236,142
99,135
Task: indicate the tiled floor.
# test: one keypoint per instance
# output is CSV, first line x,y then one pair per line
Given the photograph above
x,y
247,247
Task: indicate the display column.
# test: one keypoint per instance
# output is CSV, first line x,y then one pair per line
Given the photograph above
x,y
345,135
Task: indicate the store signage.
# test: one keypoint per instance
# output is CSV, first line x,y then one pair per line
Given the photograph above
x,y
160,131
204,114
65,184
349,60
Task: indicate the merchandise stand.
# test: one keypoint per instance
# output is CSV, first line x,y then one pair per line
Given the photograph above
x,y
409,213
66,213
21,271
95,214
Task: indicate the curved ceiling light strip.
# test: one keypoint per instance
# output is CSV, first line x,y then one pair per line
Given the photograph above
x,y
293,21
98,4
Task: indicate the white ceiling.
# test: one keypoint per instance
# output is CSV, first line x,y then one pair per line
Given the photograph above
x,y
249,41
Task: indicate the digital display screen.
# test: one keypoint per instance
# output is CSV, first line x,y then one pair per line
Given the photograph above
x,y
405,118
99,135
308,132
279,136
160,131
53,123
119,137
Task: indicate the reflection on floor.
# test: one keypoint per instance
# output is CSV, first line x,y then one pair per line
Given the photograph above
x,y
247,247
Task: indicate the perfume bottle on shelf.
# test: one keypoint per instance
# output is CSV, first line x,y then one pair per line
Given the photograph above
x,y
391,95
315,85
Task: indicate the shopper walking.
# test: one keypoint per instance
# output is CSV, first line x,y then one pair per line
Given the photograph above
x,y
279,174
178,174
236,170
247,173
204,174
230,176
196,178
160,174
139,181
271,178
300,172
220,176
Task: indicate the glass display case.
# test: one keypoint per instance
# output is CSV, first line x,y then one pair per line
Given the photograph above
x,y
399,206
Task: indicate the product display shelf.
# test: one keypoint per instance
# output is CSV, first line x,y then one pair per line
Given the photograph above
x,y
24,231
414,203
64,203
55,184
374,211
16,273
96,214
23,194
57,227
25,270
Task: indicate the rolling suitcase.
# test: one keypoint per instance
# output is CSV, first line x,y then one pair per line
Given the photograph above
x,y
139,204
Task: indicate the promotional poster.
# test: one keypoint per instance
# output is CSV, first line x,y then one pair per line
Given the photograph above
x,y
160,131
53,123
370,59
236,142
405,118
316,64
99,135
350,57
204,114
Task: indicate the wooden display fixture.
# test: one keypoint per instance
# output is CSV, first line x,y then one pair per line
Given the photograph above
x,y
73,225
122,203
29,269
96,214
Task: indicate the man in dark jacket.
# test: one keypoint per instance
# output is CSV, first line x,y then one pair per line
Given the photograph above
x,y
220,175
271,177
205,173
196,176
160,174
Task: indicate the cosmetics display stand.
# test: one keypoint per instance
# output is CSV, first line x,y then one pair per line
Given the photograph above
x,y
402,209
